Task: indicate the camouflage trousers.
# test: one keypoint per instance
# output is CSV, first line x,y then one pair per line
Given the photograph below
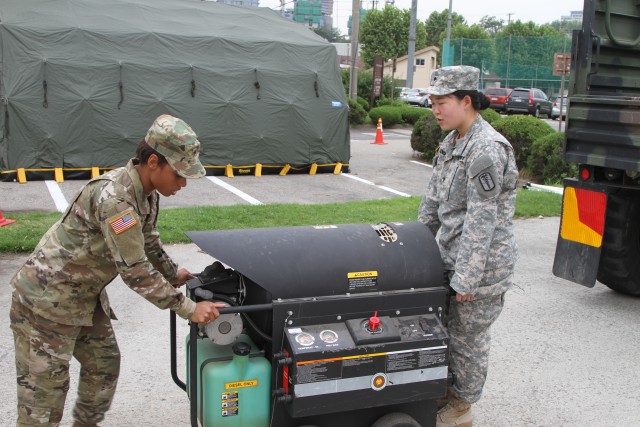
x,y
43,352
469,325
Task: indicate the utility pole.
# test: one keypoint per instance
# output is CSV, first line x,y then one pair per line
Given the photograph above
x,y
355,30
282,8
412,43
509,14
447,43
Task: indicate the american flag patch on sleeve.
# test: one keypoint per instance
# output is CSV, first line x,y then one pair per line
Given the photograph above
x,y
123,222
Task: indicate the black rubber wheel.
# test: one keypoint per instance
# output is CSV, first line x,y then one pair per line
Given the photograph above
x,y
536,113
396,419
619,267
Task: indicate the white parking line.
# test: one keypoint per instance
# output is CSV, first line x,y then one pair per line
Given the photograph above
x,y
382,187
234,190
421,164
57,196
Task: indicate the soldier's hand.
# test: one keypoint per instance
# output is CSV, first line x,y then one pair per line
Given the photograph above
x,y
464,298
206,312
183,276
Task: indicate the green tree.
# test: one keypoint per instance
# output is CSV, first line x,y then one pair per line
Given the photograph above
x,y
436,23
566,27
331,35
386,33
491,24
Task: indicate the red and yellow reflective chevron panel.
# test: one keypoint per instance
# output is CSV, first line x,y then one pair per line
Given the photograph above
x,y
583,216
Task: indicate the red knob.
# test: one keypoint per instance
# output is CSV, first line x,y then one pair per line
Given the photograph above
x,y
374,322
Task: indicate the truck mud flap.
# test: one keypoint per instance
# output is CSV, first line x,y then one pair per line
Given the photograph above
x,y
584,208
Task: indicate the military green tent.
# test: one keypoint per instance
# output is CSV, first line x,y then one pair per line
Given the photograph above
x,y
82,80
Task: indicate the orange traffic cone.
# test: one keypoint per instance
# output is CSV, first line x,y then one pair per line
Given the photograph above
x,y
379,137
4,221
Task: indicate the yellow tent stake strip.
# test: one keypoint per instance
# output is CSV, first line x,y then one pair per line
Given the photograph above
x,y
21,173
58,175
285,170
22,176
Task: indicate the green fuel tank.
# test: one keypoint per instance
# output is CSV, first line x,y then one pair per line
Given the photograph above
x,y
234,385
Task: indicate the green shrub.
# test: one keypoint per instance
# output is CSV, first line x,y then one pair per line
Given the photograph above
x,y
412,115
365,83
386,102
521,132
427,135
545,161
390,115
364,103
490,115
357,114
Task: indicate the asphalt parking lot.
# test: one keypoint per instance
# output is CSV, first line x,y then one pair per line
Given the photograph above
x,y
377,172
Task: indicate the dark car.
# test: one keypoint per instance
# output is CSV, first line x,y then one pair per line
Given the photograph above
x,y
528,101
498,96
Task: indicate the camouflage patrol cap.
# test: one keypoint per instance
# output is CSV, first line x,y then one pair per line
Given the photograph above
x,y
178,143
447,80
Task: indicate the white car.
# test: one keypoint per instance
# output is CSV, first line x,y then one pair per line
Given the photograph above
x,y
417,97
555,111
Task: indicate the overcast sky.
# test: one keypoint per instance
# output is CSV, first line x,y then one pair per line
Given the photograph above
x,y
538,11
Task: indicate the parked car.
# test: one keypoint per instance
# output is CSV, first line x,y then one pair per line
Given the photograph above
x,y
403,91
528,101
498,97
555,111
418,97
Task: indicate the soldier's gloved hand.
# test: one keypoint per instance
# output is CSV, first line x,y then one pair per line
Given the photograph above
x,y
465,298
206,311
183,276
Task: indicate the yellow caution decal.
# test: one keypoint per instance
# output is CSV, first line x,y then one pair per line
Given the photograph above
x,y
240,384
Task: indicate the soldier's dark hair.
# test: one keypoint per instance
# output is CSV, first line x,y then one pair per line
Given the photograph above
x,y
479,101
143,152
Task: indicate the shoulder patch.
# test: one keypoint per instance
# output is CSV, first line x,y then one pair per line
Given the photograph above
x,y
123,222
481,163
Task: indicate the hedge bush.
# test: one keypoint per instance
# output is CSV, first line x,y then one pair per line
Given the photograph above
x,y
521,132
364,103
357,114
427,135
545,161
390,115
490,115
386,102
412,115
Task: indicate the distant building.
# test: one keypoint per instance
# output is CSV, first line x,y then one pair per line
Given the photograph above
x,y
344,55
314,13
426,61
574,16
243,3
363,12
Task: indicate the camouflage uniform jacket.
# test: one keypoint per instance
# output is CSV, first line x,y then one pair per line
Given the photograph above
x,y
469,203
108,229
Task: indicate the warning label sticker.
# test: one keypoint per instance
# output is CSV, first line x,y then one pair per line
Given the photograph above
x,y
241,384
230,404
362,281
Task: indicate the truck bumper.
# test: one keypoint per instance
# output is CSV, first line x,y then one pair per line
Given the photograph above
x,y
584,208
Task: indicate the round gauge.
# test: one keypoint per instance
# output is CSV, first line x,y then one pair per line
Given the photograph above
x,y
305,339
328,336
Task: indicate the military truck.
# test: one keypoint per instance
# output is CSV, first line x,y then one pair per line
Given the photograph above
x,y
599,236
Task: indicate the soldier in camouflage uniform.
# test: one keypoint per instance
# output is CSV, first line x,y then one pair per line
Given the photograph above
x,y
469,205
60,308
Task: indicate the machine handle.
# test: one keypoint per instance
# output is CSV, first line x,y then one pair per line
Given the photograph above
x,y
245,308
174,358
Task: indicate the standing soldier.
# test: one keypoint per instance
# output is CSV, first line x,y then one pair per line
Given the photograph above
x,y
469,206
60,307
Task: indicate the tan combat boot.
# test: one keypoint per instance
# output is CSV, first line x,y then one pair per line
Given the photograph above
x,y
79,424
456,413
442,402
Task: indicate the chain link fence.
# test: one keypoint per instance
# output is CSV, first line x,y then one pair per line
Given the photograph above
x,y
512,61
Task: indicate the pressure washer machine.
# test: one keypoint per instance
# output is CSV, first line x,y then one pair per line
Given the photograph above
x,y
326,326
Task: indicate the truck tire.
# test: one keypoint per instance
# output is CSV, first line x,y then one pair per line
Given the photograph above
x,y
396,419
619,267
